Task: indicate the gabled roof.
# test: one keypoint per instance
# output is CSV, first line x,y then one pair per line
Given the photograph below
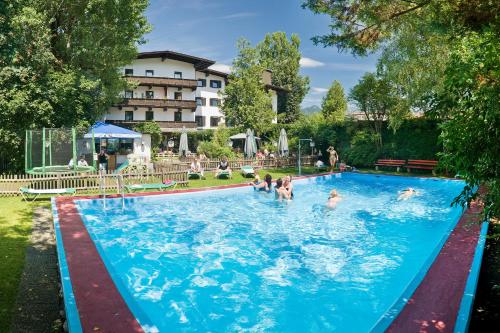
x,y
199,63
214,72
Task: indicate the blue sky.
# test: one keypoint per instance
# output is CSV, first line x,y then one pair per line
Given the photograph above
x,y
210,29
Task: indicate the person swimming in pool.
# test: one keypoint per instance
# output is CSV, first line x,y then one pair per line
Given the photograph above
x,y
333,199
280,192
407,193
266,185
288,186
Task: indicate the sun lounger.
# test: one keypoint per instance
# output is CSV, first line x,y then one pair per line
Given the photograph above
x,y
223,175
145,187
247,171
195,175
30,194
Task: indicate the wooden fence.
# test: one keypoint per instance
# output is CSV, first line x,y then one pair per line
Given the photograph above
x,y
89,182
209,165
163,170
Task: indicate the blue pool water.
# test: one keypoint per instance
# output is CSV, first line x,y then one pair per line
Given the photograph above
x,y
238,261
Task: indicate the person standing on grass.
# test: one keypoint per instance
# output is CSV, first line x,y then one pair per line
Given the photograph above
x,y
103,160
334,157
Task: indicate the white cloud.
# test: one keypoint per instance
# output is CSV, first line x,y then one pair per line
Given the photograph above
x,y
221,68
310,63
318,90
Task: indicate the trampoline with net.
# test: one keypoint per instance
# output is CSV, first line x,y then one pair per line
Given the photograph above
x,y
58,151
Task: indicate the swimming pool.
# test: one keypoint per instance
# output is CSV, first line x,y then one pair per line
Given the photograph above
x,y
236,260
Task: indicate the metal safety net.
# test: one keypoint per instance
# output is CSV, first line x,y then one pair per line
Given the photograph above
x,y
58,150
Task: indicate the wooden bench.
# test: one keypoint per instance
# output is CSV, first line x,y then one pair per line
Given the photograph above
x,y
390,163
422,164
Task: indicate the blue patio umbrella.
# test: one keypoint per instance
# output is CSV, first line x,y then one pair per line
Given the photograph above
x,y
103,130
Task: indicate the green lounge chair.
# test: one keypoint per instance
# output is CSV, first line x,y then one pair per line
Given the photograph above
x,y
155,186
31,194
223,174
195,175
247,171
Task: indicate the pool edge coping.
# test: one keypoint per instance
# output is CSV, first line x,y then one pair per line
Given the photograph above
x,y
72,200
466,304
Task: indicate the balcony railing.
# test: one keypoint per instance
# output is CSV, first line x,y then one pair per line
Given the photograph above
x,y
162,124
159,103
163,82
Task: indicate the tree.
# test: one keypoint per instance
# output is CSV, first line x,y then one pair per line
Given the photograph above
x,y
282,57
153,129
59,63
247,104
334,106
363,26
469,102
375,98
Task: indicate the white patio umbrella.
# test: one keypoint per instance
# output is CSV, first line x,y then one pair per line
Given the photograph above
x,y
283,143
183,143
250,144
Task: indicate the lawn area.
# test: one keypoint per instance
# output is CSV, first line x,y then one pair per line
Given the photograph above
x,y
238,178
15,227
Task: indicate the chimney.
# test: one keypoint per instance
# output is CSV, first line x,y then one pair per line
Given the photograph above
x,y
266,76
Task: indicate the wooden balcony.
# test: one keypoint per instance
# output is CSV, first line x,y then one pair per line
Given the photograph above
x,y
159,103
164,125
153,81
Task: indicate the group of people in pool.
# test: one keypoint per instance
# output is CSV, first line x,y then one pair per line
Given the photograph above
x,y
283,189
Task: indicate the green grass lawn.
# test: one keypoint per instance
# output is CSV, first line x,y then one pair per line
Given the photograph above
x,y
210,180
15,227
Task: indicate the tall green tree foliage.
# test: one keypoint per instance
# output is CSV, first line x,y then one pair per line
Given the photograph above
x,y
247,103
282,57
438,66
375,98
59,63
334,106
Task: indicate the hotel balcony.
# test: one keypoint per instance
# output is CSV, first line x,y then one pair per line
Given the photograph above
x,y
166,126
159,103
153,81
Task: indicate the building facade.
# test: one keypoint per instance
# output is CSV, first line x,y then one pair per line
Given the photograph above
x,y
175,90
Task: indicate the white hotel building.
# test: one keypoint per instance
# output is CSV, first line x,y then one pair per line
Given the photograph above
x,y
175,90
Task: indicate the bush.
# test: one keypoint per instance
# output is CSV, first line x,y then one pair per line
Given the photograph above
x,y
213,150
151,128
363,149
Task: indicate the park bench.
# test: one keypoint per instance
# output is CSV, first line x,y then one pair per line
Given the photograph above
x,y
390,163
422,164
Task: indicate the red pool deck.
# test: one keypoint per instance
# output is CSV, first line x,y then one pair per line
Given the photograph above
x,y
433,306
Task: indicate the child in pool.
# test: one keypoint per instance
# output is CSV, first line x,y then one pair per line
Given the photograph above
x,y
407,194
333,199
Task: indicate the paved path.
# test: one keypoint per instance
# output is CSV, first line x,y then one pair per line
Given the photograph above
x,y
38,304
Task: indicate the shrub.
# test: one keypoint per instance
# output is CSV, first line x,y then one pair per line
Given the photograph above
x,y
213,150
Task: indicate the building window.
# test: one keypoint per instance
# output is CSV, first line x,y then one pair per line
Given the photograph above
x,y
129,71
178,95
214,102
200,121
202,83
150,72
150,94
214,121
201,101
150,115
178,116
177,75
129,94
129,115
215,84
